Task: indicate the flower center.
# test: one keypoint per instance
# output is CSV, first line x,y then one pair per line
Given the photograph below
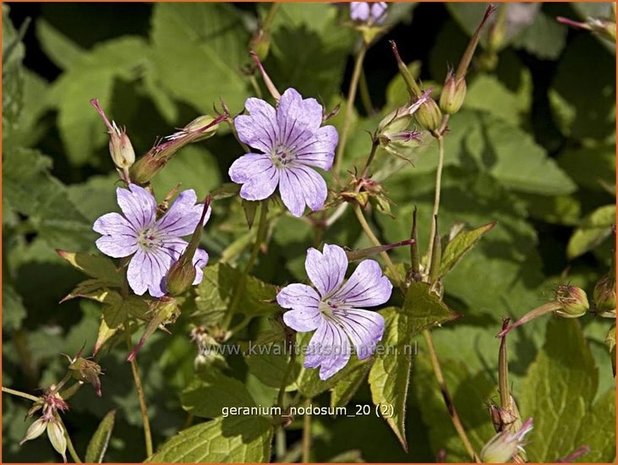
x,y
282,156
148,239
331,309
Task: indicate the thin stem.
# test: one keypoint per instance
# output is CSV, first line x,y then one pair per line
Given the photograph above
x,y
448,400
71,391
280,446
23,395
306,436
436,199
70,447
365,95
369,233
503,371
270,16
259,239
284,380
358,67
142,400
374,148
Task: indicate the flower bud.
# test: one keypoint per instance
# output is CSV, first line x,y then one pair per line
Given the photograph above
x,y
604,296
503,446
145,168
429,115
180,277
87,371
260,43
56,436
34,430
453,94
120,147
573,301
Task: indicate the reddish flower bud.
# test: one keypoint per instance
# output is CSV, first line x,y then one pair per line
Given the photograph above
x,y
573,301
604,296
88,372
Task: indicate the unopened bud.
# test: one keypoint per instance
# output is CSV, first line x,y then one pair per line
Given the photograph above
x,y
453,94
34,430
604,296
573,301
200,128
120,147
56,436
87,371
260,43
503,446
429,115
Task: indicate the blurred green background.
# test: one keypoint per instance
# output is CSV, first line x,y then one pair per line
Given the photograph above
x,y
533,147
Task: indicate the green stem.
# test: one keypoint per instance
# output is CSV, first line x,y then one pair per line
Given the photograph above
x,y
306,456
374,148
436,200
71,391
23,395
142,399
448,399
365,95
284,380
70,447
270,16
358,67
503,371
369,233
259,239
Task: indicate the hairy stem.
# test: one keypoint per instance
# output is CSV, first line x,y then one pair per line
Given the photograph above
x,y
70,447
356,74
306,436
369,233
259,239
436,200
142,399
23,395
448,400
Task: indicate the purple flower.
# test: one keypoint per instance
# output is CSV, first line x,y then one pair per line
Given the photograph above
x,y
154,243
368,12
289,142
332,308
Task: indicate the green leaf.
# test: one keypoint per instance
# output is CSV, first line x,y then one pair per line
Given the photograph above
x,y
93,75
423,309
558,391
592,167
545,37
58,47
30,189
271,365
209,43
100,439
95,266
13,310
512,157
221,282
309,49
93,289
460,245
345,389
232,439
194,167
13,52
390,374
117,309
595,228
598,430
208,396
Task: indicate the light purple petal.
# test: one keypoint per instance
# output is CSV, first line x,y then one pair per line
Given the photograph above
x,y
147,271
117,246
182,217
259,128
378,12
138,205
367,287
359,11
295,115
304,302
365,328
320,150
300,186
200,260
326,269
114,224
257,174
329,349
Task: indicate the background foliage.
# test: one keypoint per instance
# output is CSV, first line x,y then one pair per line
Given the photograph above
x,y
533,148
